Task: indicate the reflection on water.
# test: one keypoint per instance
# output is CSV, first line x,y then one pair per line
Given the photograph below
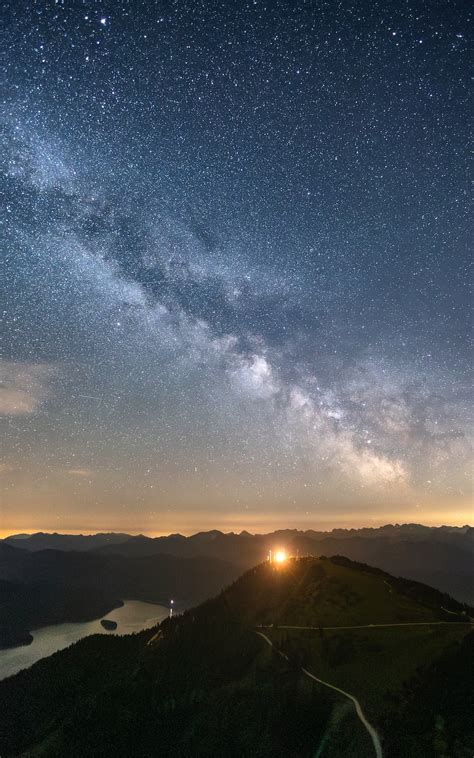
x,y
133,616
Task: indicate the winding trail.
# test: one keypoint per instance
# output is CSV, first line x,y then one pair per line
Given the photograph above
x,y
369,626
360,713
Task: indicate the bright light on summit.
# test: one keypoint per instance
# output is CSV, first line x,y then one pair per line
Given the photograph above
x,y
280,556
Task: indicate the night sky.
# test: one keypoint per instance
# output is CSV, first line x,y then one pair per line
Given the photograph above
x,y
236,281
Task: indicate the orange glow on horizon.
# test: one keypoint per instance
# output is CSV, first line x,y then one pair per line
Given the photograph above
x,y
191,521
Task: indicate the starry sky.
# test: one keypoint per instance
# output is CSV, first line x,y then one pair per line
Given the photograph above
x,y
236,272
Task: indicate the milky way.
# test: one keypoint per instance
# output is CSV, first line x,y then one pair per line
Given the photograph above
x,y
236,282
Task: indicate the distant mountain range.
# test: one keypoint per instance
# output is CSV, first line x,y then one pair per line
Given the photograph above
x,y
236,675
440,556
55,541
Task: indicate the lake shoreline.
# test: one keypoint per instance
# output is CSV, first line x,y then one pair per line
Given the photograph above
x,y
24,637
131,616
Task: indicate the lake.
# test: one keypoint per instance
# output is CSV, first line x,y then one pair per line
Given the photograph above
x,y
133,616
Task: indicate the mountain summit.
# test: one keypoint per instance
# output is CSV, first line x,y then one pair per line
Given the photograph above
x,y
270,667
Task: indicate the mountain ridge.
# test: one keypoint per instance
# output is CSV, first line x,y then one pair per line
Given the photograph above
x,y
440,556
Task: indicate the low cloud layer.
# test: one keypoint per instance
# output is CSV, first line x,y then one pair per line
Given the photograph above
x,y
25,387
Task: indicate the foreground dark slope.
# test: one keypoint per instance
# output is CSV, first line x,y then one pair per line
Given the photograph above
x,y
51,586
205,684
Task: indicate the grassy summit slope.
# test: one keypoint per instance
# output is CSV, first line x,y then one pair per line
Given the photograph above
x,y
378,665
334,592
372,664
